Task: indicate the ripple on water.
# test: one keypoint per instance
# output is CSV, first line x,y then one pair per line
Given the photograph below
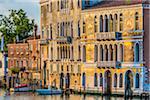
x,y
33,96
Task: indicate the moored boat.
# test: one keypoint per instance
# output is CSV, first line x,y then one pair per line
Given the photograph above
x,y
22,88
49,91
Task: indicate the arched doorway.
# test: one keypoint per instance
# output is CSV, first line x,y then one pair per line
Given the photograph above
x,y
108,83
83,80
128,82
61,81
67,81
137,81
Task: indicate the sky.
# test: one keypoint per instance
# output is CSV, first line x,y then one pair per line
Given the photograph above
x,y
31,7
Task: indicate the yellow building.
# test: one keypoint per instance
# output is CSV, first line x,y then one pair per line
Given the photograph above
x,y
59,42
96,47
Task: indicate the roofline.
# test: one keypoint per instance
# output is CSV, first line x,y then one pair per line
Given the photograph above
x,y
113,7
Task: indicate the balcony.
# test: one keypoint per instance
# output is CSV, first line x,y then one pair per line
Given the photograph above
x,y
108,36
44,42
105,64
132,64
66,39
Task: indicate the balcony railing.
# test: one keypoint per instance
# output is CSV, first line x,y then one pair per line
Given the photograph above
x,y
44,42
106,64
108,36
132,64
67,39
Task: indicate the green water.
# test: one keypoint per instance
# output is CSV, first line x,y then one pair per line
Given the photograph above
x,y
34,96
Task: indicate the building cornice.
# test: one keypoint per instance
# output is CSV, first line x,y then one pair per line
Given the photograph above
x,y
111,8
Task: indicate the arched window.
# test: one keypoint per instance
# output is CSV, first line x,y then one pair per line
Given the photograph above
x,y
116,51
79,52
51,31
95,80
111,52
78,3
84,27
62,68
72,53
101,53
121,22
137,55
106,53
69,52
137,84
47,33
51,53
71,4
57,52
101,79
72,29
95,24
67,68
58,33
116,23
61,52
115,80
66,52
101,23
111,24
42,32
79,28
121,80
136,21
106,23
63,28
121,53
95,53
84,53
58,5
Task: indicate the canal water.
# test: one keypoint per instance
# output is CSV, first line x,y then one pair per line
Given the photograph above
x,y
34,96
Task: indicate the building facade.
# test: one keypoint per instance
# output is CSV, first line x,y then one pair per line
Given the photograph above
x,y
25,57
113,42
100,47
60,37
1,68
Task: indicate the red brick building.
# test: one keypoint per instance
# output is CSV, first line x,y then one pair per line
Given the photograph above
x,y
25,55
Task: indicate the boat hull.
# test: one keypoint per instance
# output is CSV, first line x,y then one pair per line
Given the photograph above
x,y
48,92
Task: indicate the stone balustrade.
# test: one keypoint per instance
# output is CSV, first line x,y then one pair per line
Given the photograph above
x,y
105,35
106,64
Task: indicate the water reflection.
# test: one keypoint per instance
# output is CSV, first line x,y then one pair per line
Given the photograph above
x,y
33,96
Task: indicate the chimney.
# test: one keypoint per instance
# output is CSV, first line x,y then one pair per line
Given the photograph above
x,y
35,31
